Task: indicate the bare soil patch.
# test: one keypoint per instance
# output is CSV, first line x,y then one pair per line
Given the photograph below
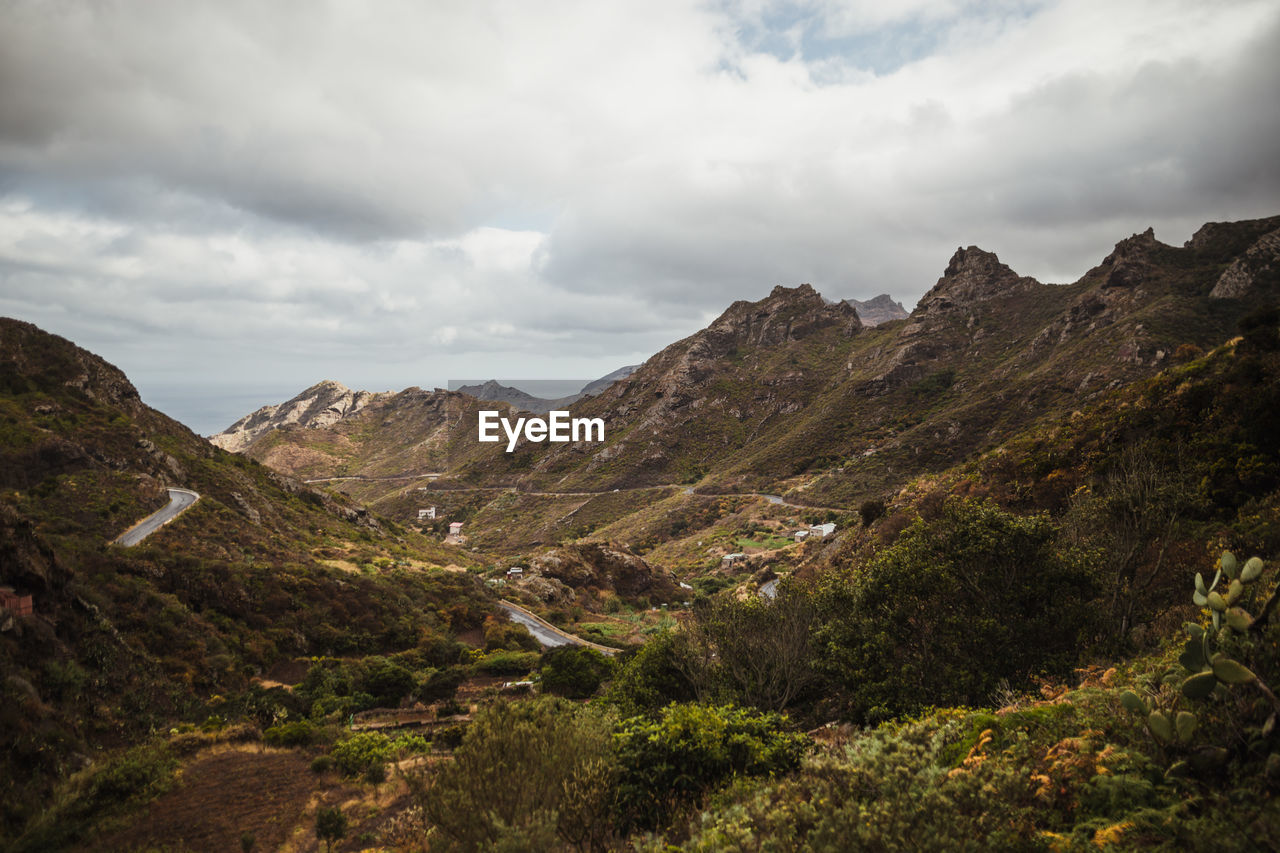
x,y
221,795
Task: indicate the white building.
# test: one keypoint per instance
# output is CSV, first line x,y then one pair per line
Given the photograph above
x,y
822,531
455,528
800,535
729,559
429,512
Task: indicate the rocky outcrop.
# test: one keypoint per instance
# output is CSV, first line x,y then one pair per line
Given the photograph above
x,y
606,568
321,405
1130,262
786,314
1256,271
972,276
881,309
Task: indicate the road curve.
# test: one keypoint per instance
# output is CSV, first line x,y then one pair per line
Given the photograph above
x,y
180,500
546,633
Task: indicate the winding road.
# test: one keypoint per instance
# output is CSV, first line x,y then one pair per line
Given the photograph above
x,y
546,633
180,500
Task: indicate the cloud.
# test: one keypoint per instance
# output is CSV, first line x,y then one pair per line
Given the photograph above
x,y
399,193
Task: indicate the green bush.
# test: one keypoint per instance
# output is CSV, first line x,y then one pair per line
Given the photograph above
x,y
956,606
362,751
650,677
293,733
667,764
574,672
508,663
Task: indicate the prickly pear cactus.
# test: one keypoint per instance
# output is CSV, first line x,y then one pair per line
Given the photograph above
x,y
1208,668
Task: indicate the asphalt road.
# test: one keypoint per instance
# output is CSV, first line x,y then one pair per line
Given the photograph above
x,y
540,633
549,637
180,500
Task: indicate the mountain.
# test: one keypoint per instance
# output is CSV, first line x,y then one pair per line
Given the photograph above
x,y
320,405
796,394
880,309
598,385
493,390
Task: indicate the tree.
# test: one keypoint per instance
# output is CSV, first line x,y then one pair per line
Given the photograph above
x,y
1130,516
651,676
331,826
755,652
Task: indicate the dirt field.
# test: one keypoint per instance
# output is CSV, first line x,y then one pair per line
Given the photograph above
x,y
221,795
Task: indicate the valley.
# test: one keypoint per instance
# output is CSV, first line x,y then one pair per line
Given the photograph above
x,y
951,575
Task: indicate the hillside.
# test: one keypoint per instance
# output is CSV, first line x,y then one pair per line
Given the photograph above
x,y
126,640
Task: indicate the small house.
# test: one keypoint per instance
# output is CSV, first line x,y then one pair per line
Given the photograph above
x,y
800,535
822,531
429,512
455,528
728,560
515,573
18,605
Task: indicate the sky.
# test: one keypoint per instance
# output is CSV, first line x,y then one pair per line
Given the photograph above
x,y
233,200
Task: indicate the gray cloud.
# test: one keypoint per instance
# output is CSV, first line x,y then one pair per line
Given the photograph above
x,y
216,194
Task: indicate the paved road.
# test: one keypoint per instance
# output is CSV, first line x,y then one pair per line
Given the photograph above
x,y
180,500
546,634
687,490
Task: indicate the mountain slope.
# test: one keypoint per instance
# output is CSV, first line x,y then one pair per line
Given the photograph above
x,y
795,393
123,641
984,353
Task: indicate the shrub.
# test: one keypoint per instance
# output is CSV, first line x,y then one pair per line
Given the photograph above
x,y
294,733
524,769
952,608
667,764
651,677
574,671
362,751
871,511
508,663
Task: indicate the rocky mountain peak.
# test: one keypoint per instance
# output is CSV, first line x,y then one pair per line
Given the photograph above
x,y
786,314
1129,263
26,350
322,404
880,309
973,275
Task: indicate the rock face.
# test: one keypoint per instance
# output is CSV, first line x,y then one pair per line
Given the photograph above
x,y
881,309
606,568
1255,272
973,276
786,314
1130,262
321,405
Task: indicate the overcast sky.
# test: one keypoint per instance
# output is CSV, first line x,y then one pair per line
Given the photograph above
x,y
233,200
